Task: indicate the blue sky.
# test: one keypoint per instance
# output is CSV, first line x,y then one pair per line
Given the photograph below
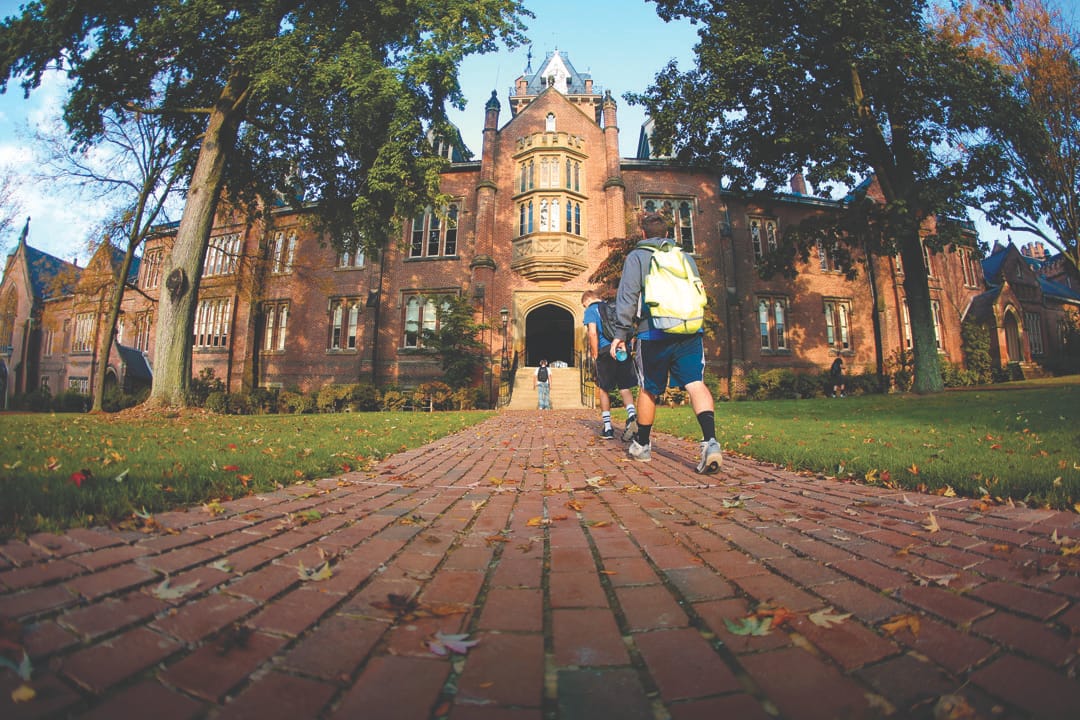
x,y
621,43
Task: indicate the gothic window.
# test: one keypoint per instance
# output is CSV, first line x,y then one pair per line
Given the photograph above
x,y
837,324
434,234
764,235
213,318
826,259
679,212
344,323
84,333
1033,328
549,122
222,255
282,252
772,323
152,268
422,315
277,321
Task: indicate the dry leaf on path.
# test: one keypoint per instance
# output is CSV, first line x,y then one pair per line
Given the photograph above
x,y
932,524
443,645
165,591
828,618
901,622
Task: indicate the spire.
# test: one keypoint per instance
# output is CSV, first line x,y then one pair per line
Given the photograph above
x,y
25,231
528,62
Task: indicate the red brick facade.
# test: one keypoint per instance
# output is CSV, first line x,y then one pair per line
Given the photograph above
x,y
280,308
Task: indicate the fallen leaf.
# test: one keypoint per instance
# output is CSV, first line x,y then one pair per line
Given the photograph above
x,y
315,574
901,622
827,618
932,524
953,707
222,565
749,626
537,521
165,591
443,645
23,693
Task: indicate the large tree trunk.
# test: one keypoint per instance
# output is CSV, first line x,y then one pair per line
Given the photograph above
x,y
183,267
923,341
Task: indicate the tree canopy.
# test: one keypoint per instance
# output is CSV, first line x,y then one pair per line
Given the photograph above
x,y
1040,52
305,100
839,91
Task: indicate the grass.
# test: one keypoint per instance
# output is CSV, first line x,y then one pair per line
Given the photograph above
x,y
1022,444
59,471
1018,441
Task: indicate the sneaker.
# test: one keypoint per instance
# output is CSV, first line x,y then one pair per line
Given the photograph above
x,y
631,428
711,458
608,433
640,452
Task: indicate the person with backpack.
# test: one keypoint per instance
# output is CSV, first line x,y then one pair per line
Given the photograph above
x,y
542,385
661,301
611,372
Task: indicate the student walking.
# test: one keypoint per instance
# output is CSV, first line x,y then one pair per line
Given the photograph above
x,y
661,357
836,378
611,372
542,385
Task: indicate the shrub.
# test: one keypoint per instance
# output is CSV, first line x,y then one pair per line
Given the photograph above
x,y
782,383
71,401
217,402
295,402
975,344
263,400
394,400
364,397
432,395
116,399
467,398
38,400
203,385
331,398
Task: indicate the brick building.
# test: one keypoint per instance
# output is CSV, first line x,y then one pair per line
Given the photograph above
x,y
278,307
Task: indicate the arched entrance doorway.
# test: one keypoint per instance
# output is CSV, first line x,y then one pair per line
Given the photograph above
x,y
1012,338
549,333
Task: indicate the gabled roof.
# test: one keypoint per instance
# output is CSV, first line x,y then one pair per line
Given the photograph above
x,y
135,363
557,67
44,269
1058,291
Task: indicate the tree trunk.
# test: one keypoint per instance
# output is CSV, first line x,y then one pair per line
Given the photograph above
x,y
105,342
923,340
183,268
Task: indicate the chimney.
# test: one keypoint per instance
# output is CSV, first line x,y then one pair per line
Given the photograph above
x,y
798,184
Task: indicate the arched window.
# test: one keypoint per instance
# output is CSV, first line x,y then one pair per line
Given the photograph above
x,y
549,124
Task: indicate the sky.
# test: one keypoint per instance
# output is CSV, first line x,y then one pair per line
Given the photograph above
x,y
622,44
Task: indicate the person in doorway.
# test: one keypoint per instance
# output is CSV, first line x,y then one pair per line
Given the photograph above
x,y
611,373
836,378
542,385
661,359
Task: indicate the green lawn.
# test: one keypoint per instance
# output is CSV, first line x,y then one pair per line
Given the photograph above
x,y
1018,441
59,471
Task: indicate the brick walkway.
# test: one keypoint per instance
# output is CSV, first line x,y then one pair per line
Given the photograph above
x,y
594,588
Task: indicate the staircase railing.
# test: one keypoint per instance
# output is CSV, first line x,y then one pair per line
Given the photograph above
x,y
587,379
506,382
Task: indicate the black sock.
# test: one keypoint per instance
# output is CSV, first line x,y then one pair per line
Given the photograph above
x,y
643,433
707,421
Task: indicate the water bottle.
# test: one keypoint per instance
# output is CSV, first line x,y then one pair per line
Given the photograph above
x,y
620,354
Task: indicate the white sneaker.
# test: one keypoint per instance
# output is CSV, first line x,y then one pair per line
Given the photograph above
x,y
631,428
640,452
712,457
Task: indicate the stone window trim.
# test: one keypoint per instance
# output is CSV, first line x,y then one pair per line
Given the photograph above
x,y
764,232
281,251
838,325
213,324
680,209
275,315
343,323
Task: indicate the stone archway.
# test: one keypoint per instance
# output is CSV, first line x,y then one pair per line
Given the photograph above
x,y
549,333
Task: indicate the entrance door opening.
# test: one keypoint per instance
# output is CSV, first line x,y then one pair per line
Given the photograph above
x,y
549,333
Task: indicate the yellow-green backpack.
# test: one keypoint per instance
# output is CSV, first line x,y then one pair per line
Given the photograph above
x,y
673,292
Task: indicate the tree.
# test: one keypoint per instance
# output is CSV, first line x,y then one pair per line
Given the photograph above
x,y
8,207
456,342
839,91
1040,51
314,101
140,163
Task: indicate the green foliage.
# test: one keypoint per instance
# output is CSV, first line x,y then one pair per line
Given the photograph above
x,y
975,344
70,401
115,399
782,383
290,401
203,385
456,342
840,92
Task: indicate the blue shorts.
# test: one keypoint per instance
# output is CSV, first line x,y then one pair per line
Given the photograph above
x,y
674,361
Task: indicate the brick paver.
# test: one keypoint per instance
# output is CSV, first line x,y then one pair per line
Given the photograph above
x,y
594,588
